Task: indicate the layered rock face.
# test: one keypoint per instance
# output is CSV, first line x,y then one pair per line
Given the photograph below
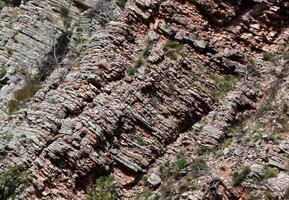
x,y
125,92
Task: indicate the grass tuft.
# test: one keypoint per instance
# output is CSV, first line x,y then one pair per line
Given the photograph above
x,y
239,177
104,189
13,181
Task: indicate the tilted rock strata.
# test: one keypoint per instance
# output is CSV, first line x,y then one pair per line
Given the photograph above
x,y
100,119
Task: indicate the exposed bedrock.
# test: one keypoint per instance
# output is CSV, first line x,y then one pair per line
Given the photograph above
x,y
125,86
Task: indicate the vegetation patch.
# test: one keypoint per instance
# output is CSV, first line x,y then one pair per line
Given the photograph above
x,y
3,72
199,165
225,84
269,195
2,4
120,3
6,136
104,189
180,162
286,195
277,73
13,181
173,48
165,170
271,172
64,11
183,188
219,150
80,44
239,177
131,71
268,56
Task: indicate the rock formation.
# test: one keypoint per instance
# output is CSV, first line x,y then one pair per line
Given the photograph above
x,y
175,99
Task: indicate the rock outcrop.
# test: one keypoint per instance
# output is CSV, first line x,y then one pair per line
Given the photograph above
x,y
122,92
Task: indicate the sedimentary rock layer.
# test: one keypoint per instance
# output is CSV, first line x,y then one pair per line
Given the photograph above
x,y
141,82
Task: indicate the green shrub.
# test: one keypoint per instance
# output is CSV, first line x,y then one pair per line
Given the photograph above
x,y
286,195
80,43
29,90
199,164
173,48
269,195
139,62
278,74
6,136
13,181
3,72
64,12
2,4
223,168
252,197
238,177
285,107
268,56
13,106
271,172
165,170
183,188
251,67
225,85
180,163
219,150
104,189
121,3
131,71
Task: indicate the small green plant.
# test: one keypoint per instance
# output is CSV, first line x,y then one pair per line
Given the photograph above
x,y
268,56
271,172
180,163
285,107
131,71
252,197
269,195
238,177
219,150
286,195
6,136
199,164
144,178
121,3
200,67
201,150
64,11
2,4
104,189
29,90
225,85
173,48
3,72
13,106
183,188
80,43
13,181
146,193
223,168
22,136
251,67
165,170
139,62
278,74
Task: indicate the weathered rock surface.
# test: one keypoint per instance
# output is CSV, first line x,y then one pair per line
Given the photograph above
x,y
126,94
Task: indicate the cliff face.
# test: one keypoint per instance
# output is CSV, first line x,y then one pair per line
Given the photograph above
x,y
196,87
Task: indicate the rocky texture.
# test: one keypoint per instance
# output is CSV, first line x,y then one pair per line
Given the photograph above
x,y
129,94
